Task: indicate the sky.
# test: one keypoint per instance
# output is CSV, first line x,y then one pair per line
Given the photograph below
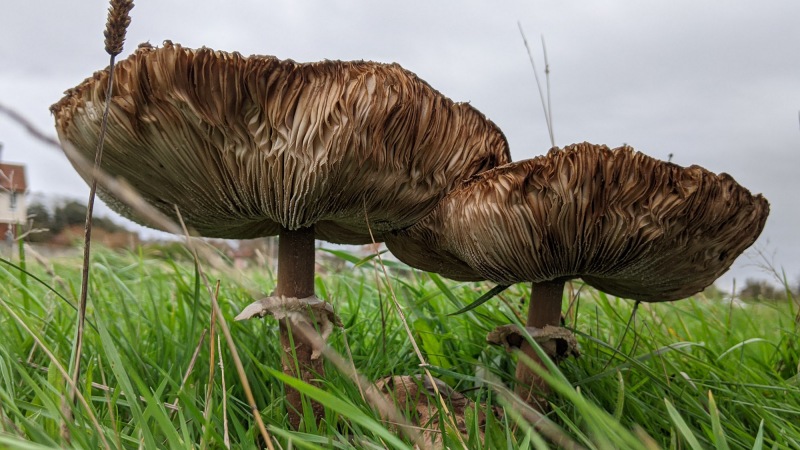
x,y
711,83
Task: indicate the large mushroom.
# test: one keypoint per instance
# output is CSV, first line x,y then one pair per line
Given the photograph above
x,y
625,223
254,146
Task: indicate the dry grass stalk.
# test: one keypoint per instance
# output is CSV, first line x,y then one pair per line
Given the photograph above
x,y
29,127
211,367
352,362
549,105
646,439
226,439
116,25
548,117
189,369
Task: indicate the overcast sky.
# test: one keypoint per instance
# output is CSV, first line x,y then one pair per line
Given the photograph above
x,y
713,83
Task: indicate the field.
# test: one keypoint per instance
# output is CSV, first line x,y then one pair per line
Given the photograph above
x,y
698,373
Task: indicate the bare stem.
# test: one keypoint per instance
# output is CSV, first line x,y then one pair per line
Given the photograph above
x,y
544,309
211,366
549,105
30,127
87,245
226,436
545,103
116,26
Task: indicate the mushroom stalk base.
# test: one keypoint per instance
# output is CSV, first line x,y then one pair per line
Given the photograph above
x,y
296,280
557,342
302,312
544,309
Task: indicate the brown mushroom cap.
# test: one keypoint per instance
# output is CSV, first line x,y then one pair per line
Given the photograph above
x,y
247,145
627,224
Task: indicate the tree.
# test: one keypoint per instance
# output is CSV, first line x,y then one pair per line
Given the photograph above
x,y
66,213
70,213
40,223
759,290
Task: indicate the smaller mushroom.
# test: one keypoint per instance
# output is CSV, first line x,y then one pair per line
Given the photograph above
x,y
625,223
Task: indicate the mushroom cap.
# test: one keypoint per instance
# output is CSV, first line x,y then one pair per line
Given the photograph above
x,y
245,146
627,224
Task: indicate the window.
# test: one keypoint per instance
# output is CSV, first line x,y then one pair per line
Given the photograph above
x,y
12,203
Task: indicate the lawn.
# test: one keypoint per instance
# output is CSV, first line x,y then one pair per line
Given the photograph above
x,y
698,373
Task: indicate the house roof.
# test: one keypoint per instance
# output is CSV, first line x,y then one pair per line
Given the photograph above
x,y
12,177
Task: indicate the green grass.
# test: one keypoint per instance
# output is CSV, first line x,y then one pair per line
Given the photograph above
x,y
692,374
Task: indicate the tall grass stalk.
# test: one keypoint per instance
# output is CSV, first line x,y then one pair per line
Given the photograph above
x,y
116,27
546,104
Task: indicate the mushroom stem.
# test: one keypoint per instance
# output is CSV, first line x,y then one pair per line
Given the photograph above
x,y
544,309
296,279
296,263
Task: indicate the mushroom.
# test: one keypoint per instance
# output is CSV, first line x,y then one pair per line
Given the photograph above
x,y
625,223
254,146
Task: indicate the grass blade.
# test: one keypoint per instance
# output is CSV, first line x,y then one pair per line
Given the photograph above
x,y
719,434
482,299
759,444
118,367
683,427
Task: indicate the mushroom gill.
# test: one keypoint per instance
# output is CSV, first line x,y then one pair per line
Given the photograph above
x,y
246,146
625,223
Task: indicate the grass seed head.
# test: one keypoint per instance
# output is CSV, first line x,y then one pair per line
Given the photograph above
x,y
116,25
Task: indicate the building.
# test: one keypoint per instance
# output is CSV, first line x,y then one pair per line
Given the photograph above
x,y
13,205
